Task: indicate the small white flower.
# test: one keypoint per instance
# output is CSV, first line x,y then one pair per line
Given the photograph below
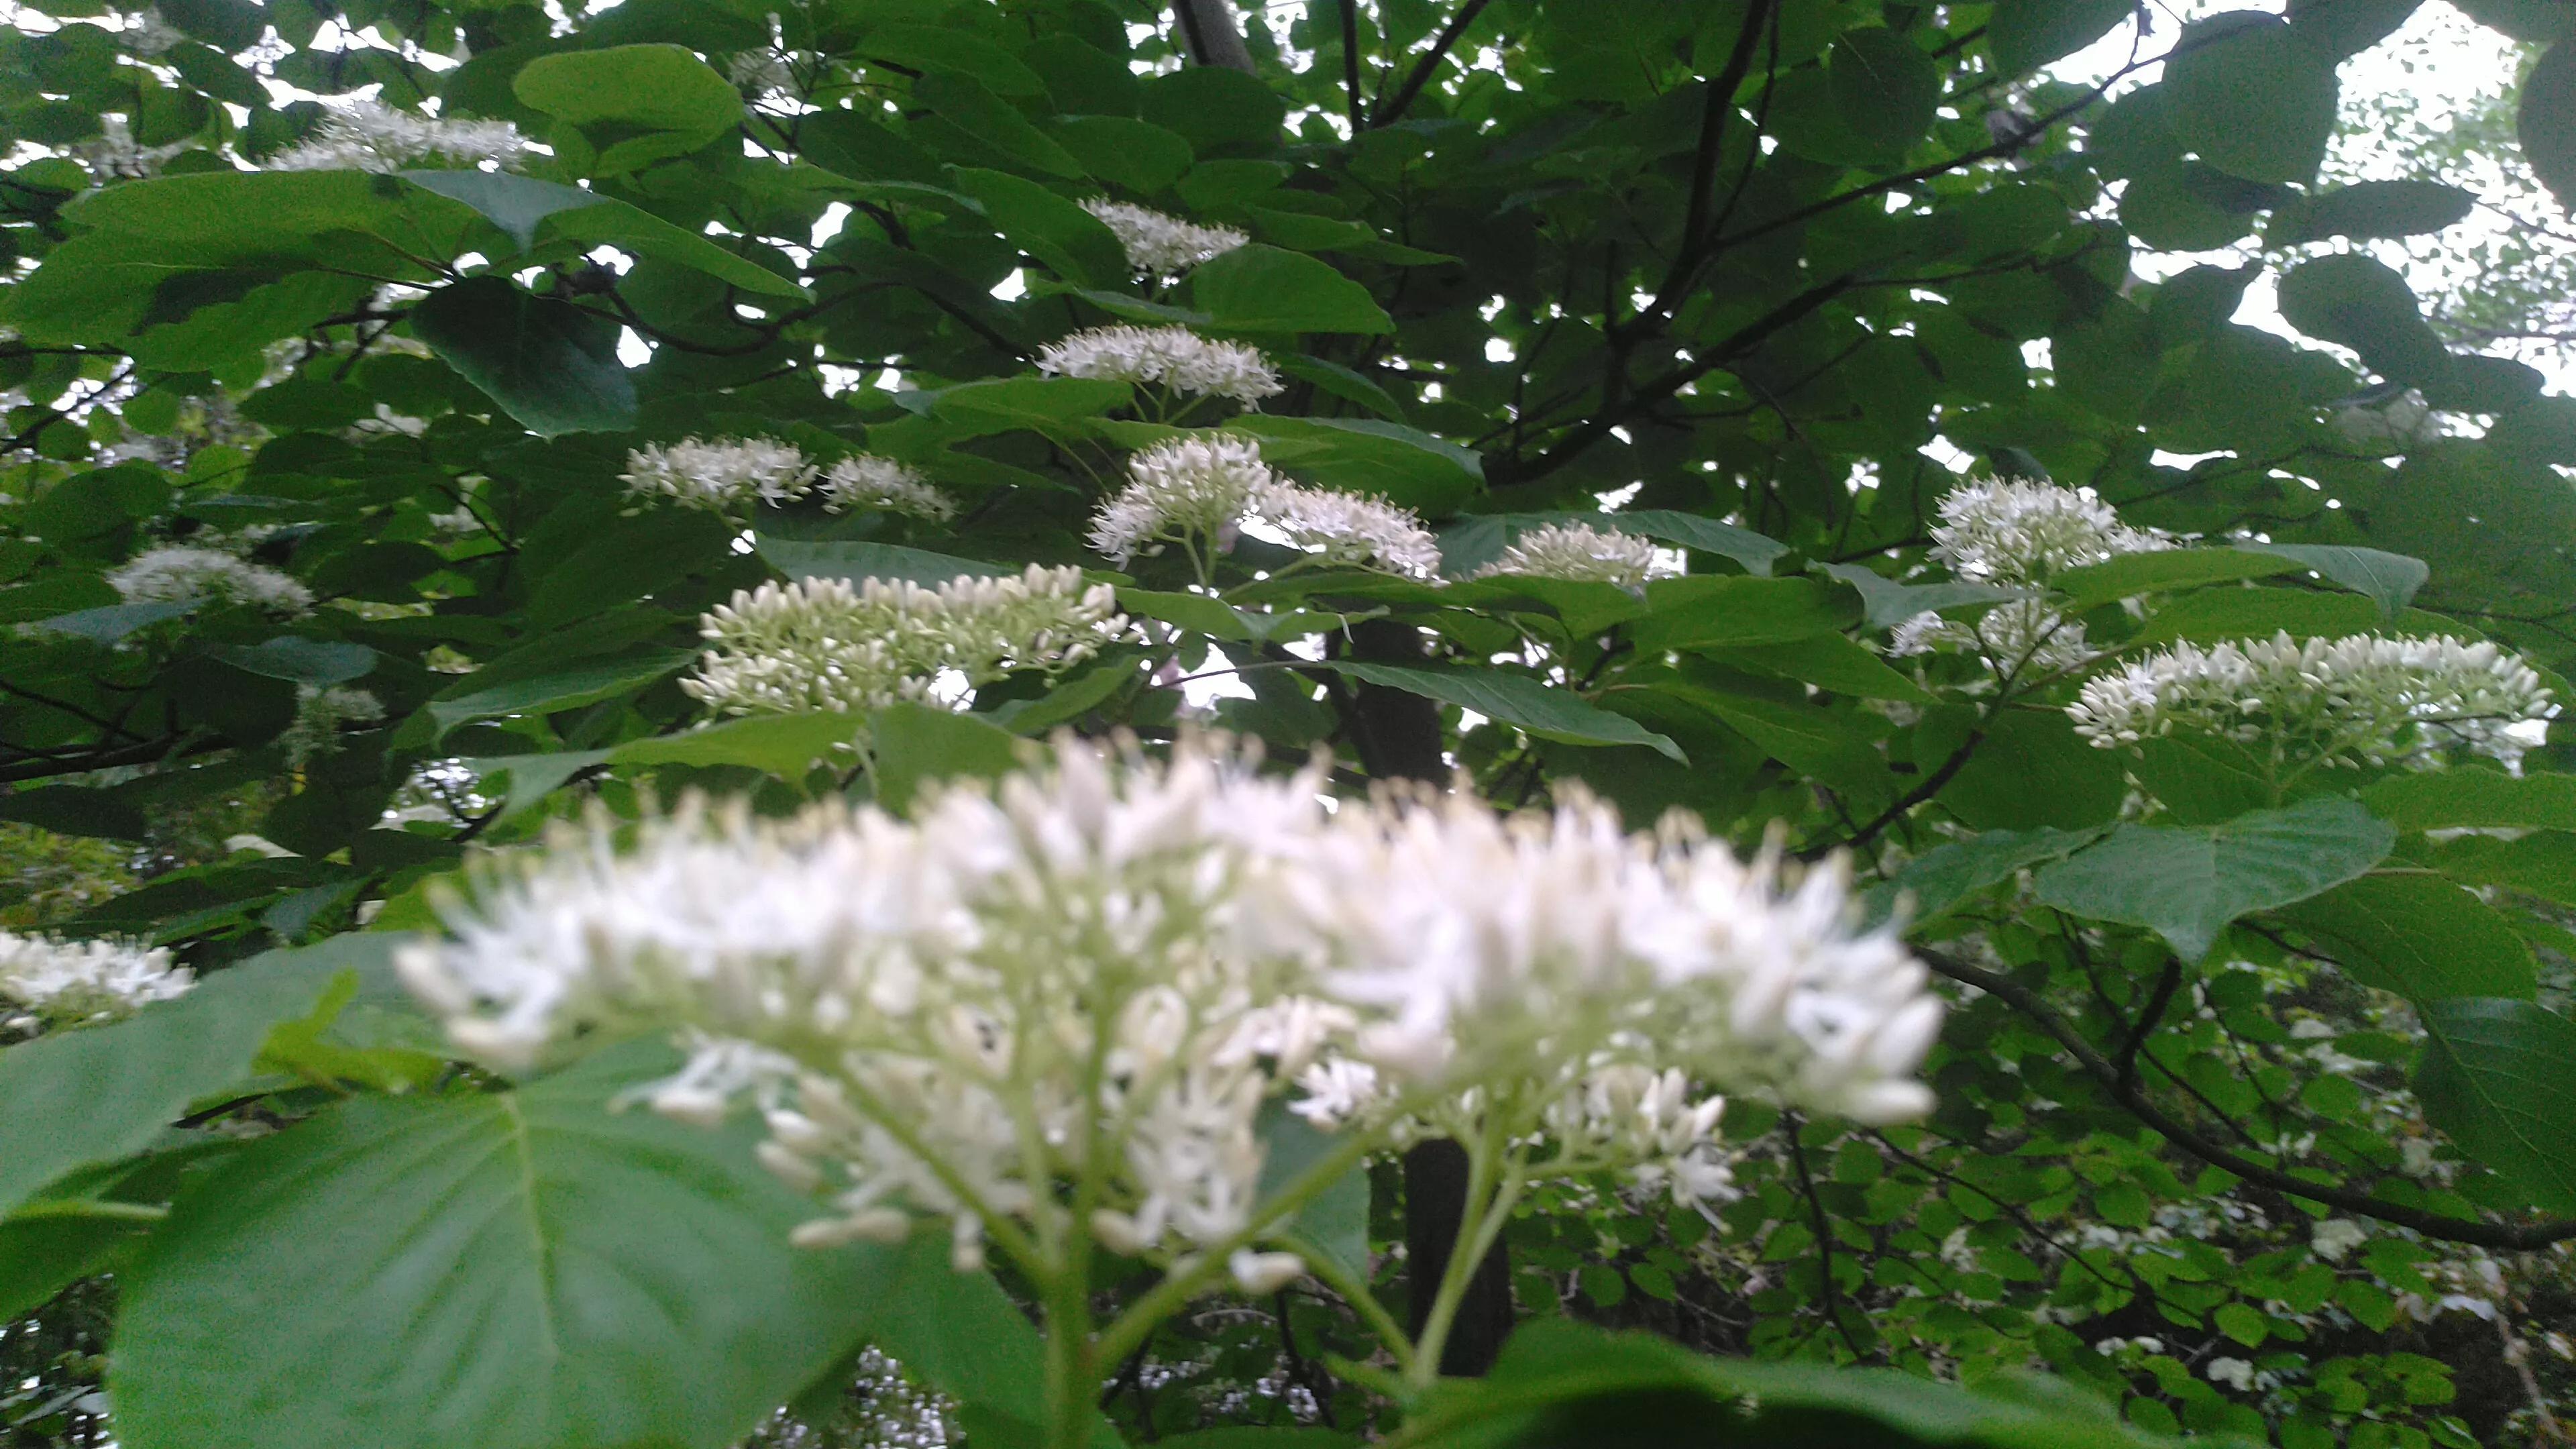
x,y
176,572
1162,245
2022,637
59,983
1186,488
729,476
1580,552
864,480
2335,1238
2236,1373
1345,528
2013,530
370,136
1261,1274
2358,700
824,644
1172,358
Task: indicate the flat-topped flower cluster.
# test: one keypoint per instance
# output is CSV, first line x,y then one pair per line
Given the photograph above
x,y
731,477
829,644
2358,700
2016,532
1201,490
46,981
1052,1011
371,136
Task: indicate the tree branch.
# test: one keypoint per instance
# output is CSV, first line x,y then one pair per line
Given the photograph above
x,y
2103,1071
1429,65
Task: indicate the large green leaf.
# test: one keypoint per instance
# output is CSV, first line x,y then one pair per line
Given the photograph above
x,y
2187,884
2372,209
549,364
2546,120
786,745
1570,1385
97,1094
2419,936
1926,887
2475,799
1048,227
1257,288
657,87
2181,568
1514,699
525,207
2362,303
2500,1077
1404,465
911,745
519,1270
2252,97
2027,34
2390,579
1723,611
569,688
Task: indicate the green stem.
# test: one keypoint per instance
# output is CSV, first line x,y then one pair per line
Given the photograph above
x,y
1354,1292
1072,1381
121,1212
1488,1206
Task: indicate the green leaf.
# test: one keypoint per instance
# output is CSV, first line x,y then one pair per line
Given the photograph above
x,y
551,693
2362,303
2500,1078
783,745
43,1253
2188,884
1048,227
1218,109
1257,288
1805,737
657,87
1138,155
2536,20
2418,936
1341,382
1044,404
1830,662
113,622
2241,1323
551,365
2546,120
2251,97
2542,863
1334,1222
856,560
533,777
1721,611
2027,34
523,206
2474,799
1067,699
974,109
1887,603
2376,209
1755,552
1403,465
316,662
938,47
520,1270
1885,88
1513,699
2182,568
101,1093
1561,1382
2391,579
911,745
1944,876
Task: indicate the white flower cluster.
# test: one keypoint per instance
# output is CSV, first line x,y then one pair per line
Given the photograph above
x,y
2024,637
1202,489
1162,245
1346,528
864,480
319,714
1082,986
179,571
2015,531
53,982
727,476
2357,700
1582,553
371,136
824,644
1173,358
732,476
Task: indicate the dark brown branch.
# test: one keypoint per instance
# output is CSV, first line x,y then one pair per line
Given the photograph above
x,y
2442,1226
1429,66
